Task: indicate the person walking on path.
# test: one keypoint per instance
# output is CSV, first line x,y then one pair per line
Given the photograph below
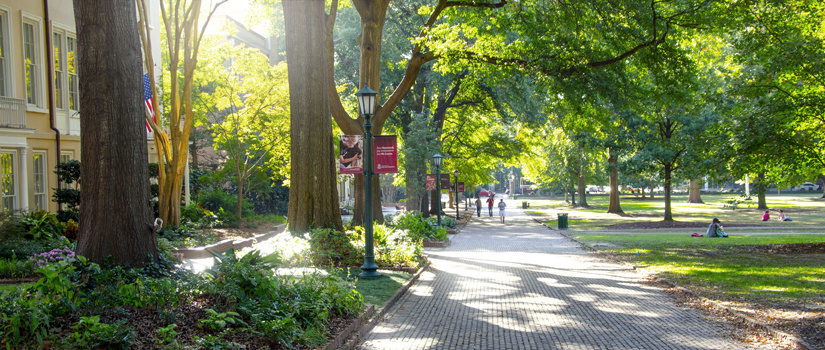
x,y
478,206
501,206
490,202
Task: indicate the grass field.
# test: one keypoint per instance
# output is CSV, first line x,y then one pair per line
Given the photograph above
x,y
773,271
376,291
806,210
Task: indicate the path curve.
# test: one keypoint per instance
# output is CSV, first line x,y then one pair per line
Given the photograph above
x,y
522,286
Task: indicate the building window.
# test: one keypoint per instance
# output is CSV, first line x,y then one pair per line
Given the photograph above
x,y
71,66
31,61
7,181
5,78
59,69
41,184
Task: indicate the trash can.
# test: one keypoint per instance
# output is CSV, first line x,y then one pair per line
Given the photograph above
x,y
562,221
524,205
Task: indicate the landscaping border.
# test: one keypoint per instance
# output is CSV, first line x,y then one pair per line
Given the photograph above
x,y
799,343
349,339
223,246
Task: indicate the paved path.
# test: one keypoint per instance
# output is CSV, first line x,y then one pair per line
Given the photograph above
x,y
521,286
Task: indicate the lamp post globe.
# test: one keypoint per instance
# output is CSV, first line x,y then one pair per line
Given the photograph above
x,y
366,105
437,162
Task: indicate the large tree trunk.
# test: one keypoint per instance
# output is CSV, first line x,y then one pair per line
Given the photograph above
x,y
614,206
313,194
761,188
360,200
582,189
822,183
694,192
668,210
117,217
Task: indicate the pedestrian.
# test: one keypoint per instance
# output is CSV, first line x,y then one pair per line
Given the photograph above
x,y
490,202
478,206
716,230
501,206
767,216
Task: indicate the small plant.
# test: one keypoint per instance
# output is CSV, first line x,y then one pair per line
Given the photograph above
x,y
211,342
218,321
42,225
166,335
44,259
89,331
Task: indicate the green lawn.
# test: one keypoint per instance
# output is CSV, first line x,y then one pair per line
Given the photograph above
x,y
725,269
378,290
806,209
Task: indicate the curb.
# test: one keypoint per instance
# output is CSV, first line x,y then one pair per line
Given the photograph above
x,y
352,334
223,246
799,343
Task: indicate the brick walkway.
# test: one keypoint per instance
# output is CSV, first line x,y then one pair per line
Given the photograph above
x,y
522,286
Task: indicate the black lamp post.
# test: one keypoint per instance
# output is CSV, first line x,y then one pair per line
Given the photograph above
x,y
437,162
455,172
366,104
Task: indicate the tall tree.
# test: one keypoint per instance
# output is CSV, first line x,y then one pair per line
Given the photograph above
x,y
313,195
252,98
117,217
183,34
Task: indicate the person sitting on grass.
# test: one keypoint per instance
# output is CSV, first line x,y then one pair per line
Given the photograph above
x,y
716,230
767,216
782,216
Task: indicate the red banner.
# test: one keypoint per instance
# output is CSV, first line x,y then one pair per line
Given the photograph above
x,y
386,154
429,183
460,187
351,156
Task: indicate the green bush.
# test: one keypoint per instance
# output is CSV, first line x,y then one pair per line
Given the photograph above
x,y
21,247
331,248
42,225
420,228
199,216
186,236
224,205
14,268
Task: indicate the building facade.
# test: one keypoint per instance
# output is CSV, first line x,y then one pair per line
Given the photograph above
x,y
39,99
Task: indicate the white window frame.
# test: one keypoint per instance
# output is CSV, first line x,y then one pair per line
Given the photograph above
x,y
67,97
41,178
64,157
15,191
39,80
59,66
73,82
6,61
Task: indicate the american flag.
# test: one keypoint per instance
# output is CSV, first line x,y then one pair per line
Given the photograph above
x,y
147,99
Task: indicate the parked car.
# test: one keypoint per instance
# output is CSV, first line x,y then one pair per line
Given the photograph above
x,y
807,186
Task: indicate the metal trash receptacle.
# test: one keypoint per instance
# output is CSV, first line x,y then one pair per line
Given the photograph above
x,y
524,205
562,221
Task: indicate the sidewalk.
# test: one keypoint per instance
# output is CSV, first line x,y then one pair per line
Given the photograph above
x,y
522,286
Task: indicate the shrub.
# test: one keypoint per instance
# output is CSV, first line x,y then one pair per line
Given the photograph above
x,y
199,216
224,205
15,268
25,248
42,225
418,227
330,247
43,259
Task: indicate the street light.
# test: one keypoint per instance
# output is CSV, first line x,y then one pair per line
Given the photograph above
x,y
366,105
437,162
455,172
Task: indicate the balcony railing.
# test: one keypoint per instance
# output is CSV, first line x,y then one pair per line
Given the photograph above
x,y
12,112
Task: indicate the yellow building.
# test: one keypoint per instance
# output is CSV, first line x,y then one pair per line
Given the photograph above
x,y
39,122
39,98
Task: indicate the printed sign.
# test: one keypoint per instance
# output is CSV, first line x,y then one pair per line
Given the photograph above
x,y
460,187
445,181
386,154
351,160
429,183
